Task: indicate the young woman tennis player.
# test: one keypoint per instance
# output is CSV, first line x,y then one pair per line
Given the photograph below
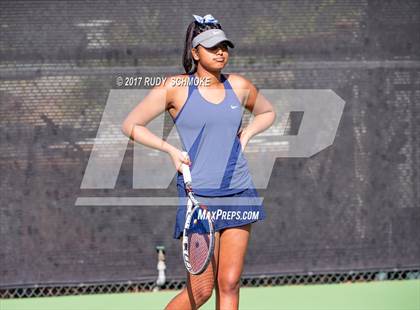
x,y
207,107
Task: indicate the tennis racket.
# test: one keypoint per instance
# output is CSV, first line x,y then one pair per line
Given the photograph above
x,y
198,233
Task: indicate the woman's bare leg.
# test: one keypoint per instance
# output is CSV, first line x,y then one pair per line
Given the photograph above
x,y
232,247
199,287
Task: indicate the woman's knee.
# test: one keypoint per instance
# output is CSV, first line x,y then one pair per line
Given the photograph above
x,y
201,287
229,284
202,294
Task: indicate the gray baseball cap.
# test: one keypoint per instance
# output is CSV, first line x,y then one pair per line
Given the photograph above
x,y
210,38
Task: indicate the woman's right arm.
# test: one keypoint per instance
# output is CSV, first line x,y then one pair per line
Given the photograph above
x,y
157,101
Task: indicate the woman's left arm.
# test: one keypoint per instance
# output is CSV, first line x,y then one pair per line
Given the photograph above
x,y
261,108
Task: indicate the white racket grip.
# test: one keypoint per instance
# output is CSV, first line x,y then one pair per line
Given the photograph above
x,y
186,170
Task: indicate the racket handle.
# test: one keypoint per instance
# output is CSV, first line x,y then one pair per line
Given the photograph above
x,y
186,171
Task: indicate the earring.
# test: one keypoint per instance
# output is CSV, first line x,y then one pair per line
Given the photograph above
x,y
196,52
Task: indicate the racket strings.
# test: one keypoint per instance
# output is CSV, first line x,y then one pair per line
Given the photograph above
x,y
199,246
199,241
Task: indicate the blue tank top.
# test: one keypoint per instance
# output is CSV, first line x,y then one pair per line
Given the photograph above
x,y
208,132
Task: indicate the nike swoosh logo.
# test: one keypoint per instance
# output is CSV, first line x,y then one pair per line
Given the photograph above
x,y
234,106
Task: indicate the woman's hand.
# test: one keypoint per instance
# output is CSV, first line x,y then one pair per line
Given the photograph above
x,y
243,138
178,159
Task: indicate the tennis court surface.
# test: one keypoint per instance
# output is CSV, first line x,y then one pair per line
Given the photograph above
x,y
380,295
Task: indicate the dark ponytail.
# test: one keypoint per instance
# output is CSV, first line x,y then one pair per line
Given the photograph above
x,y
194,29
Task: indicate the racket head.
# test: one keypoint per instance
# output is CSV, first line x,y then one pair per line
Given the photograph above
x,y
197,240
